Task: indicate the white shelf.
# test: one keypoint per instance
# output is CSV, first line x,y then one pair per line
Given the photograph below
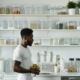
x,y
41,30
36,15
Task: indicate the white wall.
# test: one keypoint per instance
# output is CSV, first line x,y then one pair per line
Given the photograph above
x,y
50,2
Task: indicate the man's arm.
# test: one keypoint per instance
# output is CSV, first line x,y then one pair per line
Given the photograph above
x,y
19,69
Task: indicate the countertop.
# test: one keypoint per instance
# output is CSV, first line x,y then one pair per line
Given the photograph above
x,y
49,74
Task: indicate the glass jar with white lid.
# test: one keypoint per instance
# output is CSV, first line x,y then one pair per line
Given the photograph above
x,y
26,24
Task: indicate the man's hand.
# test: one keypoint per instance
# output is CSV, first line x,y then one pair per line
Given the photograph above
x,y
36,72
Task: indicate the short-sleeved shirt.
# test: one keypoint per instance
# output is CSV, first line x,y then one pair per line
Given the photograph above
x,y
24,56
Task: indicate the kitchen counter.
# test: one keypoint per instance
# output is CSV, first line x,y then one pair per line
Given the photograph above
x,y
50,74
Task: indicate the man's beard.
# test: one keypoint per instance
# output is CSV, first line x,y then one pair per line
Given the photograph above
x,y
29,43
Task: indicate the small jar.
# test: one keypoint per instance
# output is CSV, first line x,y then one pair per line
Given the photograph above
x,y
13,41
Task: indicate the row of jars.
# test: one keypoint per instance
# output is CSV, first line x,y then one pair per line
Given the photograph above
x,y
57,41
11,41
33,9
40,24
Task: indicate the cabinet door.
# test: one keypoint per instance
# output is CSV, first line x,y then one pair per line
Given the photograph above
x,y
10,78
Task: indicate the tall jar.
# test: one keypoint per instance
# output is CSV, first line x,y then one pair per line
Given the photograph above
x,y
71,25
71,65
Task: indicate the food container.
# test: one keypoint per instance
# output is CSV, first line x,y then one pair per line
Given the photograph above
x,y
5,10
28,9
20,24
71,25
71,65
78,25
45,9
35,24
33,9
11,24
16,24
13,41
67,41
55,41
45,41
47,24
38,9
37,41
5,24
26,23
4,41
16,9
1,24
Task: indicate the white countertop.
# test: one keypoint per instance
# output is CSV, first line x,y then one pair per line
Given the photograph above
x,y
50,74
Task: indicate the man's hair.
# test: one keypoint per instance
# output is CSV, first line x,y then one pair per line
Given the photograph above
x,y
26,32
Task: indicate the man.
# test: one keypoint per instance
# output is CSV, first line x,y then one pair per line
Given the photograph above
x,y
22,56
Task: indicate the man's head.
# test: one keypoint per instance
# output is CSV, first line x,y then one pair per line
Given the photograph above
x,y
27,36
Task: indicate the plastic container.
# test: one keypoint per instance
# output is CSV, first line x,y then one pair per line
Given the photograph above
x,y
13,41
33,9
27,9
45,41
5,10
35,24
11,24
26,23
16,24
20,24
55,41
71,25
38,9
5,24
36,41
3,41
47,24
16,9
1,24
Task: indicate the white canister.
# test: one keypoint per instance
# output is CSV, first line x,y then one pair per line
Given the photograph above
x,y
1,65
55,69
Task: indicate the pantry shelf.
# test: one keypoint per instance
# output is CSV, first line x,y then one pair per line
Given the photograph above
x,y
36,15
41,29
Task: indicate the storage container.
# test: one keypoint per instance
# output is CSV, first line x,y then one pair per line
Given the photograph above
x,y
20,24
16,24
35,24
27,9
45,41
71,25
11,24
5,24
47,24
26,24
1,24
3,41
16,9
38,9
37,41
13,41
5,9
33,9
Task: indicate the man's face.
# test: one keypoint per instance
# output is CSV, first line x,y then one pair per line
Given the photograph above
x,y
29,40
